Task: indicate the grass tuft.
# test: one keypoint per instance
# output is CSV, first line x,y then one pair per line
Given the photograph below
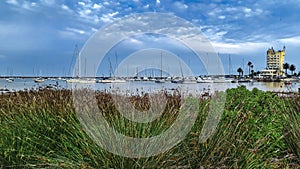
x,y
40,129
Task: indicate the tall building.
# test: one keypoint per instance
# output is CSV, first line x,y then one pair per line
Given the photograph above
x,y
275,61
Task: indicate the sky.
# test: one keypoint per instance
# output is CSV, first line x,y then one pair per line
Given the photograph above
x,y
38,37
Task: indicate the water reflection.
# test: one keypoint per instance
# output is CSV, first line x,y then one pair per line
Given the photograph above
x,y
21,84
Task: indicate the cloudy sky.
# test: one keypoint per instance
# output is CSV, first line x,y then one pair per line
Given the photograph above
x,y
38,37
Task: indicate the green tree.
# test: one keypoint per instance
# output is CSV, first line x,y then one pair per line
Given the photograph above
x,y
249,65
240,71
252,71
286,66
292,68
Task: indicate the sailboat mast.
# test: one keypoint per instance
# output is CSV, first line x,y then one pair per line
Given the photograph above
x,y
78,66
230,66
110,67
84,67
116,66
181,69
161,65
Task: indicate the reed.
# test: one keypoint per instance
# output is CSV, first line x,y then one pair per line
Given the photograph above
x,y
292,130
40,129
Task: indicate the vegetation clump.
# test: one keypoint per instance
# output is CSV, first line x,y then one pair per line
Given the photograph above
x,y
40,129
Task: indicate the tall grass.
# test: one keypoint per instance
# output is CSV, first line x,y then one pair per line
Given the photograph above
x,y
292,128
40,129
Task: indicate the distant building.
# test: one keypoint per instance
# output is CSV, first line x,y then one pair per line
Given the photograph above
x,y
275,61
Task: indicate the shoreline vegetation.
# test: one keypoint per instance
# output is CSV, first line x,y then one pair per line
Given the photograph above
x,y
40,129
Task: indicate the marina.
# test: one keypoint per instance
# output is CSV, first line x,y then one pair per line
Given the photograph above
x,y
199,84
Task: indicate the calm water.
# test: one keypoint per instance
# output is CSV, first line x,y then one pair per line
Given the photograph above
x,y
148,86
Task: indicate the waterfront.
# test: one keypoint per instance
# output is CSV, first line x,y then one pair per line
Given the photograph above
x,y
146,86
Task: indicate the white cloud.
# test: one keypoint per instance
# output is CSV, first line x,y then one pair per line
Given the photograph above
x,y
209,30
13,2
106,18
81,3
94,29
48,2
76,30
258,11
222,17
230,9
291,41
247,10
68,35
180,5
85,13
65,7
110,17
215,12
113,14
33,4
239,48
157,2
220,34
135,41
97,6
128,9
74,33
26,5
211,13
213,33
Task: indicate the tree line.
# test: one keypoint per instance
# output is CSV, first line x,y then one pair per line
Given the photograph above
x,y
251,72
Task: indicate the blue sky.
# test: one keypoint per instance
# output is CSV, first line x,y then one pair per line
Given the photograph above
x,y
38,37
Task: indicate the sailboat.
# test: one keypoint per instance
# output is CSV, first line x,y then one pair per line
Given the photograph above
x,y
81,80
10,80
178,79
205,80
160,80
39,80
116,79
78,79
113,79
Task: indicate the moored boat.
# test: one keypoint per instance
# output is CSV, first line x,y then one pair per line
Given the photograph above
x,y
81,80
39,80
10,80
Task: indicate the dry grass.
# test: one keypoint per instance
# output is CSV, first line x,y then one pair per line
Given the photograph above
x,y
40,129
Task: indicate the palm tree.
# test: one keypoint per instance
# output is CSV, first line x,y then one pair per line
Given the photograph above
x,y
252,70
292,68
258,72
240,70
286,66
249,65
